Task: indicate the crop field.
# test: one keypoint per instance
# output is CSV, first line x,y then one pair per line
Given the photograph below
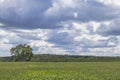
x,y
60,71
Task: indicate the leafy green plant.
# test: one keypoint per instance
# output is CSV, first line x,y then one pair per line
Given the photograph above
x,y
22,52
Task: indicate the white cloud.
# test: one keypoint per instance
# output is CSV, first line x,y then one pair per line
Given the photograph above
x,y
105,51
75,14
5,49
78,37
52,50
38,43
1,24
110,2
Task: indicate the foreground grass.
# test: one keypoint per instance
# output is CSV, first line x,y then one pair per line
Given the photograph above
x,y
60,71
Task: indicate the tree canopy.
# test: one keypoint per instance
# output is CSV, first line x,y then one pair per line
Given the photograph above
x,y
22,52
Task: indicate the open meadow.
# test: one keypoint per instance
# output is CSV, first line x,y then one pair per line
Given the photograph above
x,y
60,71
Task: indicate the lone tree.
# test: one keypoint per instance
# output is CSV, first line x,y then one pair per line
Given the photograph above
x,y
22,52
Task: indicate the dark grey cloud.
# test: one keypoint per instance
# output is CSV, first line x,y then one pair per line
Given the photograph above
x,y
113,28
24,13
96,11
86,11
49,14
60,38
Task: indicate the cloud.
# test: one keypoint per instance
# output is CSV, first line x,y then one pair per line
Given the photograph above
x,y
110,2
85,10
72,39
112,28
23,13
49,14
76,27
78,38
37,38
4,49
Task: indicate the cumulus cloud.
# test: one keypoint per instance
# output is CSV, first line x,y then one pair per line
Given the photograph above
x,y
78,38
37,38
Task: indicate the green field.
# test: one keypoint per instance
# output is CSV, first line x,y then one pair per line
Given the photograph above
x,y
60,71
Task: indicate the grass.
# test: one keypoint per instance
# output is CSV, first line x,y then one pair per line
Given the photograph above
x,y
60,71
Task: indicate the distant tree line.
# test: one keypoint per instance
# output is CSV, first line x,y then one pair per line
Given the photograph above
x,y
24,52
63,58
71,58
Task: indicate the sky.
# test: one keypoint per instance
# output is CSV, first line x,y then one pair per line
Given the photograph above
x,y
66,27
